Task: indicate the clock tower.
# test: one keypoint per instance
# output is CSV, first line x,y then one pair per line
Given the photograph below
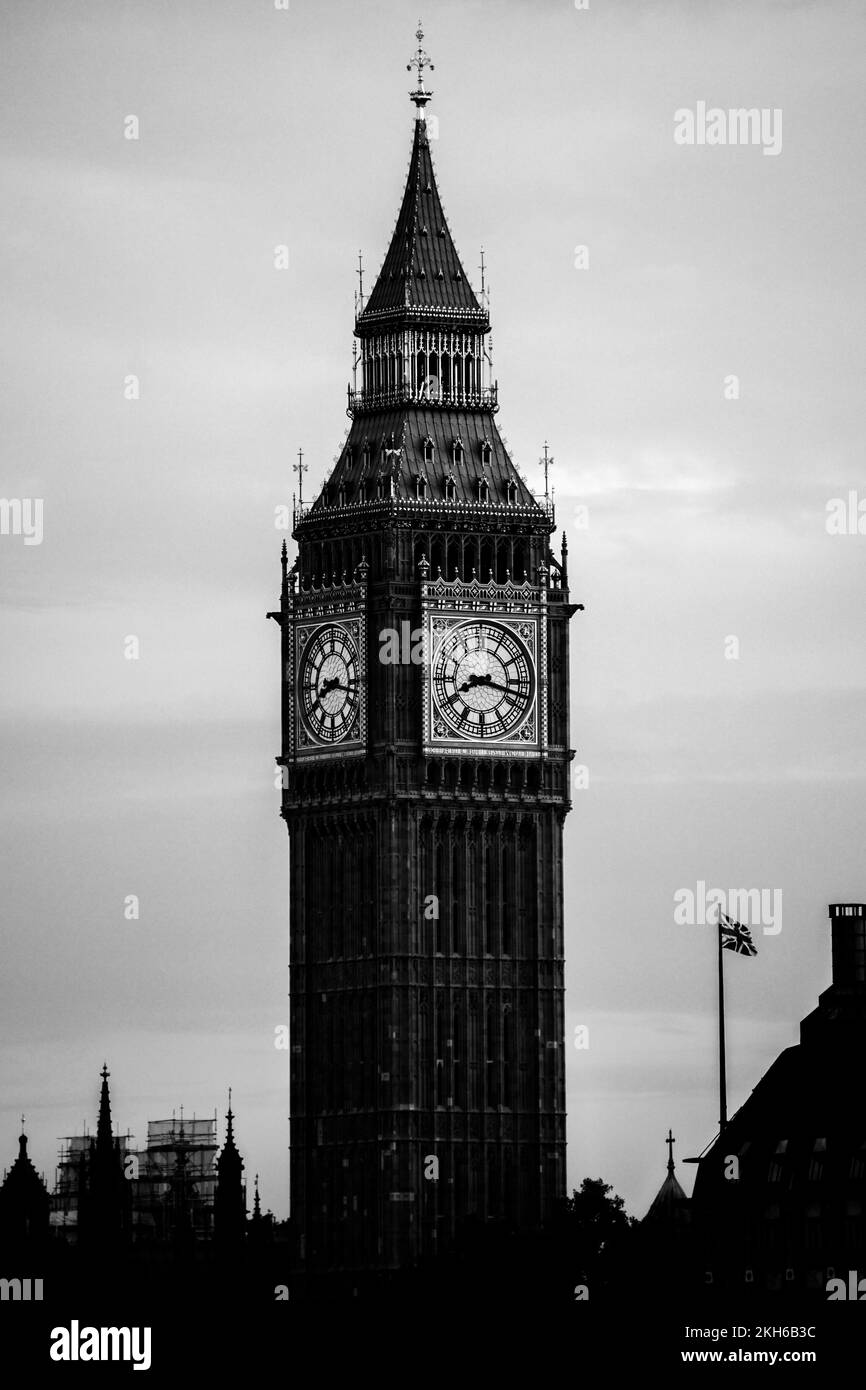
x,y
425,756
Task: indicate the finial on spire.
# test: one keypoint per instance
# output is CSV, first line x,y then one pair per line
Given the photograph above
x,y
300,468
670,1141
421,95
546,462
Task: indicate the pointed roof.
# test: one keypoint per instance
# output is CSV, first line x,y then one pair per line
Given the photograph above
x,y
670,1203
104,1141
422,270
22,1178
229,1163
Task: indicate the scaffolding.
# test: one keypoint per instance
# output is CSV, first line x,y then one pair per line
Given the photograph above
x,y
173,1196
173,1181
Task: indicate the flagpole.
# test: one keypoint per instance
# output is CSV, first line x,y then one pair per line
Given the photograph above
x,y
723,1084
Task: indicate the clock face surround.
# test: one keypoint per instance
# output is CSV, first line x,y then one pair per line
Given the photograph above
x,y
483,681
329,684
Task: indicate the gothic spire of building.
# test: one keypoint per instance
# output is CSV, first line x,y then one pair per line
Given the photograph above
x,y
422,270
104,1140
230,1199
423,399
105,1210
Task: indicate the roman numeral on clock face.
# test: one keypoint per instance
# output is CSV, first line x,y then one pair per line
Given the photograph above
x,y
328,684
483,680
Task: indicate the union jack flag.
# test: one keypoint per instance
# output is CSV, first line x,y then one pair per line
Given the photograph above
x,y
736,937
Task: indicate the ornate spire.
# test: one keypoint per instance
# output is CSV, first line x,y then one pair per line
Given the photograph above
x,y
420,61
422,271
670,1141
104,1141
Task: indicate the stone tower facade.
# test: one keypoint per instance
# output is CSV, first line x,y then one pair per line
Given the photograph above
x,y
425,755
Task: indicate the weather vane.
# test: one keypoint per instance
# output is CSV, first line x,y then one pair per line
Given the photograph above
x,y
300,468
420,96
546,463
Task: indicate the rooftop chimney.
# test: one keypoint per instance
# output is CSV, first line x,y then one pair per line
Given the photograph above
x,y
849,945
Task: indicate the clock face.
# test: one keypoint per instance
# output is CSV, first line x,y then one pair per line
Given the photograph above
x,y
483,681
328,683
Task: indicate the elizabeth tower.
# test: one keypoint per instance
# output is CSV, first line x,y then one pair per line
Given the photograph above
x,y
425,759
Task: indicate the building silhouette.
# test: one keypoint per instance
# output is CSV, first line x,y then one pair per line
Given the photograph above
x,y
778,1201
179,1193
25,1207
425,748
230,1197
104,1198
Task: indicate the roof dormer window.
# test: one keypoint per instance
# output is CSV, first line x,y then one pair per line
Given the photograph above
x,y
511,491
420,487
483,488
486,451
450,489
457,452
429,450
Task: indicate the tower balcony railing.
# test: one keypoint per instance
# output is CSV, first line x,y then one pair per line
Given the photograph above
x,y
360,502
430,396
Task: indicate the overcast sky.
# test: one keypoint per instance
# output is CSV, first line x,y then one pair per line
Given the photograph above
x,y
707,515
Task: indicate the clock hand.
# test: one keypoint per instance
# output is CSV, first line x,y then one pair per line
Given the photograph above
x,y
487,681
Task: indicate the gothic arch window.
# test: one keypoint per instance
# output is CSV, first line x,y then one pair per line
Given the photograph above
x,y
483,490
507,1056
457,452
437,557
491,898
511,492
429,450
441,1050
453,559
519,562
508,898
420,487
458,375
457,1046
491,1051
485,452
475,1080
487,561
441,893
458,896
450,490
426,1051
